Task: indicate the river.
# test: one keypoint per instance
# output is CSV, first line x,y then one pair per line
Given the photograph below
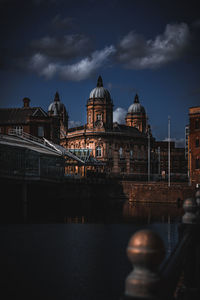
x,y
83,257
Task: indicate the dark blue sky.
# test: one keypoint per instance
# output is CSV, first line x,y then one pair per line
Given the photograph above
x,y
148,47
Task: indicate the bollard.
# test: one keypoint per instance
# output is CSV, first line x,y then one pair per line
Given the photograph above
x,y
190,208
146,251
197,196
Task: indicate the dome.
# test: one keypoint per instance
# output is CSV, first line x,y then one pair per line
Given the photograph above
x,y
100,91
136,107
56,107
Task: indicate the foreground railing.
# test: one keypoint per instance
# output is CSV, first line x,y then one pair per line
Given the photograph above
x,y
176,278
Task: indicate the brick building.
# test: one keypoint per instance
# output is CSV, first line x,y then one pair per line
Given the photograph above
x,y
125,150
194,144
122,148
178,161
34,120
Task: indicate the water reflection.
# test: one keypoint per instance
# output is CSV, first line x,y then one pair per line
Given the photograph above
x,y
151,212
85,258
126,212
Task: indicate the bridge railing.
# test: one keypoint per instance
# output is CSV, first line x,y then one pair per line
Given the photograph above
x,y
177,277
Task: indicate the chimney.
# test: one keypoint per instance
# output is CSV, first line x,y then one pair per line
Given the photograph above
x,y
26,102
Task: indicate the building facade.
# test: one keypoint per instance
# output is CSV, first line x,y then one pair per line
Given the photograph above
x,y
34,120
194,144
122,148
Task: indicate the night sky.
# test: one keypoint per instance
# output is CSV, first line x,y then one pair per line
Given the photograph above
x,y
149,47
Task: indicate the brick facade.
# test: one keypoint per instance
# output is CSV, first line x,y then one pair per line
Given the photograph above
x,y
194,144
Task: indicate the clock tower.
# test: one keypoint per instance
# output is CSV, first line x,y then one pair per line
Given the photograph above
x,y
99,108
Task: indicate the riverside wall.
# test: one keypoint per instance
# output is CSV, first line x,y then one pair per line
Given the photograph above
x,y
157,192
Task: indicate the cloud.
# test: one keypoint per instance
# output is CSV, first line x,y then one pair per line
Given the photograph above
x,y
62,23
179,143
135,52
72,123
66,47
81,70
119,115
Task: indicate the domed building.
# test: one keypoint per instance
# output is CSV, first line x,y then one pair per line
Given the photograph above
x,y
100,108
122,148
136,116
57,109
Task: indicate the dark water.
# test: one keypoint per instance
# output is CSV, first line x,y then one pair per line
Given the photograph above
x,y
78,261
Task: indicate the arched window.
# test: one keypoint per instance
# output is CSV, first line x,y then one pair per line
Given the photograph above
x,y
99,117
197,142
98,151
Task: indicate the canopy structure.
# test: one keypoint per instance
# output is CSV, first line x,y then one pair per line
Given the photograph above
x,y
80,157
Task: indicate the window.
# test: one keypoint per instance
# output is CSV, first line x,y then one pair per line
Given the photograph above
x,y
98,151
120,152
131,153
197,142
18,129
197,124
40,131
197,164
99,117
89,119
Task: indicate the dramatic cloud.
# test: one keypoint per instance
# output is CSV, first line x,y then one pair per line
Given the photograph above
x,y
66,47
119,115
72,124
135,52
81,70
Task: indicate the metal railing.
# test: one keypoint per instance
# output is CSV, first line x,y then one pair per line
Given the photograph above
x,y
177,277
26,135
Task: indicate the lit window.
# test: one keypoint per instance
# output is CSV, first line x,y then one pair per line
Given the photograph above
x,y
98,151
18,129
99,117
40,131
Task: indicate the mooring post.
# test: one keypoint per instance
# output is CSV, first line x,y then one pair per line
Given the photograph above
x,y
146,251
190,225
190,208
197,196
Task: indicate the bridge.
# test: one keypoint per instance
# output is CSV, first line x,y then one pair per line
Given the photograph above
x,y
23,156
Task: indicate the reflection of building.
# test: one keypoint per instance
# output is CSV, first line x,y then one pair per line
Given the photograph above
x,y
194,144
32,120
123,148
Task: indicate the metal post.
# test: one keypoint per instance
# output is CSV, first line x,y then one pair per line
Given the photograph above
x,y
149,158
189,167
158,160
169,151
